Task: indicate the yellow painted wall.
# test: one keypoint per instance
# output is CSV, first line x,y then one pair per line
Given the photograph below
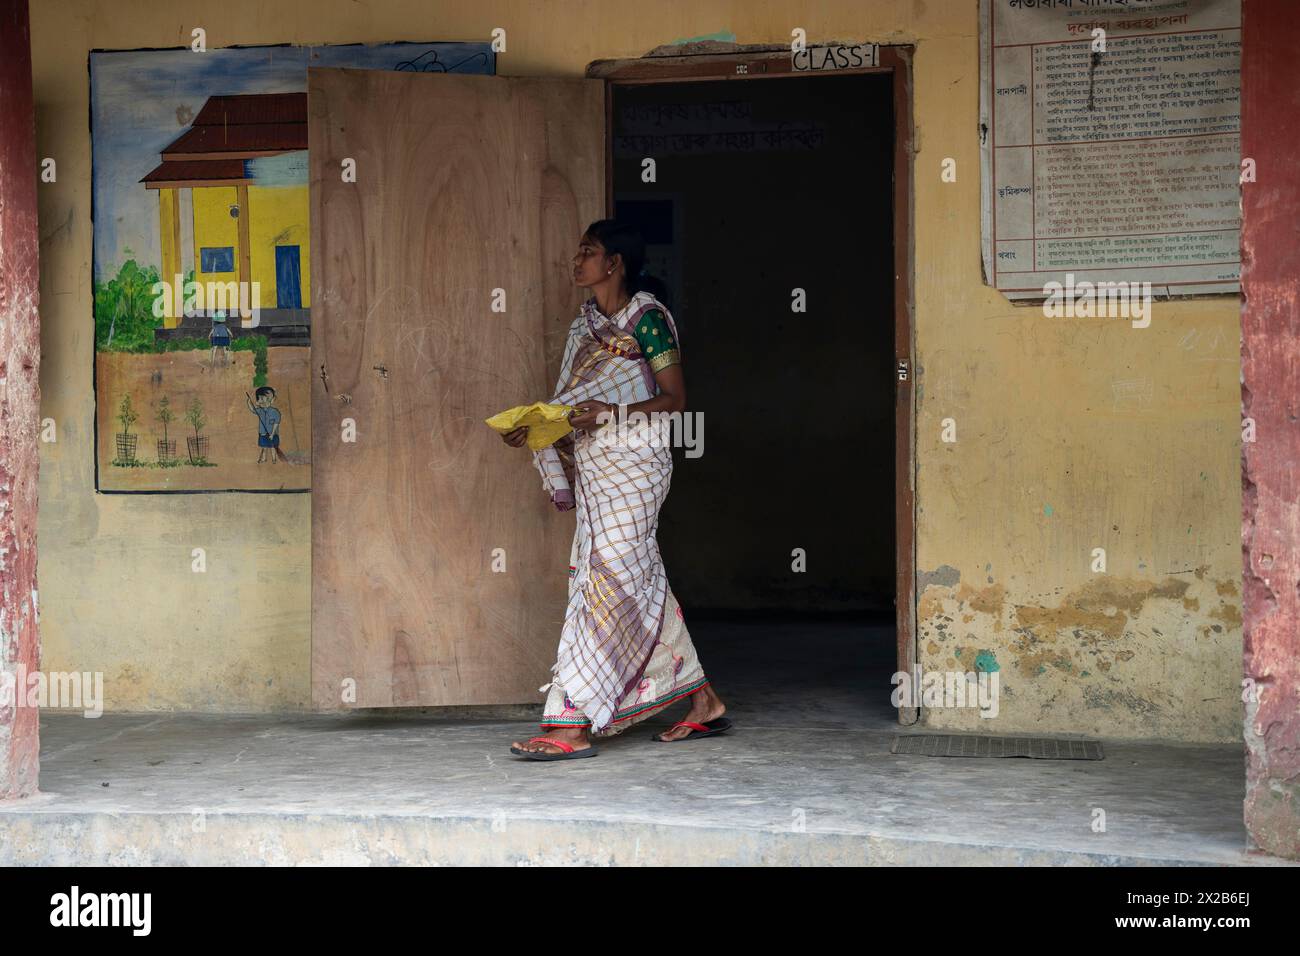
x,y
278,216
214,227
1071,434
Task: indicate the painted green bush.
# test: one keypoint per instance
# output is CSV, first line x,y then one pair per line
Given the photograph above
x,y
257,344
124,319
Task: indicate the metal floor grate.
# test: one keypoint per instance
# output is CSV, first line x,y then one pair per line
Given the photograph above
x,y
1040,748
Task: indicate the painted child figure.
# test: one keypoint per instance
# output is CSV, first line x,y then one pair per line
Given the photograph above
x,y
268,430
220,339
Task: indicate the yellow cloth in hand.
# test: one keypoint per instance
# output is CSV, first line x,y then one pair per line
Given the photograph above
x,y
546,423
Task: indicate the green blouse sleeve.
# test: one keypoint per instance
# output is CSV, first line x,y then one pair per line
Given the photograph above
x,y
656,340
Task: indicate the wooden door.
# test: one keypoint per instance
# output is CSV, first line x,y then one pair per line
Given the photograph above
x,y
468,191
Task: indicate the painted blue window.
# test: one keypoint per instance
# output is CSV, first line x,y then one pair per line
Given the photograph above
x,y
288,278
217,259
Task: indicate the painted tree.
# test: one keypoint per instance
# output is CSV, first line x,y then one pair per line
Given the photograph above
x,y
126,414
164,414
194,415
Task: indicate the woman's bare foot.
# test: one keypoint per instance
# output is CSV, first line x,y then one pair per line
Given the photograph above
x,y
705,706
575,737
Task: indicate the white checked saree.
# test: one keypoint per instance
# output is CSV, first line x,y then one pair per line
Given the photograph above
x,y
624,650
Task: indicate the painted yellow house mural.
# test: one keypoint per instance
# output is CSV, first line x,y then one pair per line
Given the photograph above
x,y
240,174
199,169
206,395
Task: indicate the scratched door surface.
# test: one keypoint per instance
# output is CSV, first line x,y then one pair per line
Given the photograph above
x,y
464,185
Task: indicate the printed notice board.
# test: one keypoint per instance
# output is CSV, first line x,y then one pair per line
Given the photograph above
x,y
1111,143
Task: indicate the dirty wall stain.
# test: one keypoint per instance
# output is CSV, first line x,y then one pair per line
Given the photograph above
x,y
1100,608
1103,646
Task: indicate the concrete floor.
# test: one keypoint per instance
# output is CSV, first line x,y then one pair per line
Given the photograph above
x,y
805,778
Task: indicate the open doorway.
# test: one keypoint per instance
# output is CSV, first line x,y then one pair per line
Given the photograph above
x,y
770,220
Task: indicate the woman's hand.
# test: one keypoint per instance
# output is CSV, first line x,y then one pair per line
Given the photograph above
x,y
517,437
587,415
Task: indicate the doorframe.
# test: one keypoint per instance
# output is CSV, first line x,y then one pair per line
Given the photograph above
x,y
776,62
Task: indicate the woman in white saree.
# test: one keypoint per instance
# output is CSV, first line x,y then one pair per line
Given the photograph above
x,y
624,653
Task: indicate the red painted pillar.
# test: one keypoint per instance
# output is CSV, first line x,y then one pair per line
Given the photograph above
x,y
1270,358
20,404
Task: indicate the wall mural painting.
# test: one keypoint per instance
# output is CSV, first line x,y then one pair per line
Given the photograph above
x,y
202,292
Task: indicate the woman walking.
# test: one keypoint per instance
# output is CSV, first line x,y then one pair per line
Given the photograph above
x,y
624,650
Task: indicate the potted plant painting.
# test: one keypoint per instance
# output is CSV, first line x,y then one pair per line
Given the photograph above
x,y
126,417
198,443
166,447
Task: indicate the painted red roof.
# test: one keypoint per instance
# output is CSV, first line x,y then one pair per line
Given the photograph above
x,y
201,171
253,108
251,124
255,138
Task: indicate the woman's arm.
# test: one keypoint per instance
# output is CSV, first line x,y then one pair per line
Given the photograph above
x,y
671,398
672,393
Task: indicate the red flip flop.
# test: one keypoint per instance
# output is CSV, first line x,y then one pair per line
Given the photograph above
x,y
719,726
569,752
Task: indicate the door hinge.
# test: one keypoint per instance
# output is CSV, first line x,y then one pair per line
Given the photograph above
x,y
902,370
